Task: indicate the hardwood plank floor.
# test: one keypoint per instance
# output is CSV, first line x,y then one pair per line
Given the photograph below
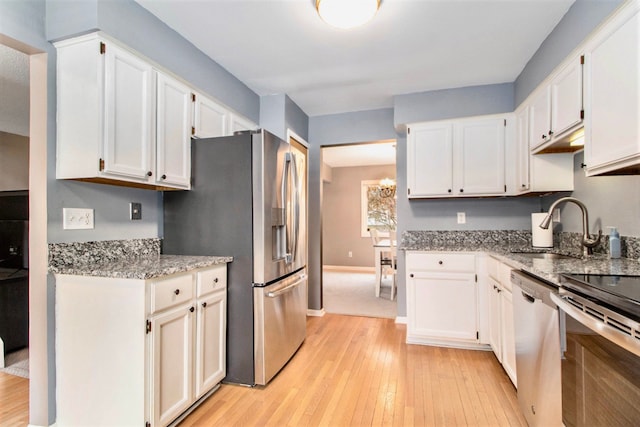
x,y
351,371
14,400
358,371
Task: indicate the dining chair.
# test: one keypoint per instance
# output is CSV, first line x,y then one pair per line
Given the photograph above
x,y
387,261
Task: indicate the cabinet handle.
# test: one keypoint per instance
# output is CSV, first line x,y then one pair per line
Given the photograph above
x,y
411,275
550,132
215,280
449,190
524,185
462,190
149,173
440,262
192,309
544,136
177,292
204,304
164,177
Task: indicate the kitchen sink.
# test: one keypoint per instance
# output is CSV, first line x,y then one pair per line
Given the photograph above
x,y
543,255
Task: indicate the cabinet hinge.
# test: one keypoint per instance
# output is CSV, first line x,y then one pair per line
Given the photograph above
x,y
101,165
505,122
408,131
193,97
476,278
477,335
148,326
505,188
103,48
581,59
408,191
193,130
582,114
147,424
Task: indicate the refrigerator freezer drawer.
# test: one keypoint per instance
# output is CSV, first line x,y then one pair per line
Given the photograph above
x,y
280,324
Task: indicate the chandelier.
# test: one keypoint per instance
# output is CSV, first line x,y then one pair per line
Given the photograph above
x,y
347,13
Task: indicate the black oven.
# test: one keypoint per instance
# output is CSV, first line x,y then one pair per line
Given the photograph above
x,y
600,341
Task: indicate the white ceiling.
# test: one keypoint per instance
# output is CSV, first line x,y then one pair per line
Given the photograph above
x,y
360,155
14,91
282,46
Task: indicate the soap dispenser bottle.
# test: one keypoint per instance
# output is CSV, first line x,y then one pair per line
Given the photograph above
x,y
614,243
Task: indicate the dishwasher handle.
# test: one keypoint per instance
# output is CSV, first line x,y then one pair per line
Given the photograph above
x,y
530,299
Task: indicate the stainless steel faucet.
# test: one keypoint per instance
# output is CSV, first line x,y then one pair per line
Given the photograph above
x,y
587,242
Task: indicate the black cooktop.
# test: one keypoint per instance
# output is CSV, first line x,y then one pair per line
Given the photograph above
x,y
621,293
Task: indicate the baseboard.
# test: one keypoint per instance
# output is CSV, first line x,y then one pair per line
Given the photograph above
x,y
402,320
316,313
349,268
447,343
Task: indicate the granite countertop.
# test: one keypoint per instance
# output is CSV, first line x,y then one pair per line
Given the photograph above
x,y
511,247
148,267
551,269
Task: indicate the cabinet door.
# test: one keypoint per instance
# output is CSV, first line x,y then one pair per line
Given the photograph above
x,y
495,319
171,364
442,306
508,337
429,160
211,119
479,157
128,92
523,152
173,132
612,97
540,117
237,123
210,342
566,98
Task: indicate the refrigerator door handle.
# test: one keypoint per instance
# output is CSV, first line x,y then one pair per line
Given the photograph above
x,y
296,206
285,201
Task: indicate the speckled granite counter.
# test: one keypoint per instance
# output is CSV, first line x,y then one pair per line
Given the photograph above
x,y
125,259
502,245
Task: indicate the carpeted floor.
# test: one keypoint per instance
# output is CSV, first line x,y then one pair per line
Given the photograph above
x,y
354,294
17,363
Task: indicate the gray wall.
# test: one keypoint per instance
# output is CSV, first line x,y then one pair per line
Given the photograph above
x,y
126,21
342,217
278,113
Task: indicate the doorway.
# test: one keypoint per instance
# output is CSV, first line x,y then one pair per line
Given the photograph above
x,y
348,271
30,112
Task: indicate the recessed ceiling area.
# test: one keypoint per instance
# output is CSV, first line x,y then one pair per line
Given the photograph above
x,y
410,46
381,153
14,91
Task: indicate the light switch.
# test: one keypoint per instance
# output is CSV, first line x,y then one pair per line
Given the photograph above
x,y
77,219
462,218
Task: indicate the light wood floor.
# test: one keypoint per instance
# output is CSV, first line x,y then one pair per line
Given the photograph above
x,y
351,371
358,371
14,400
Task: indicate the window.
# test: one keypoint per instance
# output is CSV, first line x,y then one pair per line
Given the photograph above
x,y
378,206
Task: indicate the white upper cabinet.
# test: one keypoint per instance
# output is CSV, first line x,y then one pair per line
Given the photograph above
x,y
429,160
128,112
456,158
541,172
211,119
556,110
612,96
173,132
238,123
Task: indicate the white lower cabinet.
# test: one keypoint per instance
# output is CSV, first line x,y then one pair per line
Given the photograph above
x,y
138,352
501,332
442,299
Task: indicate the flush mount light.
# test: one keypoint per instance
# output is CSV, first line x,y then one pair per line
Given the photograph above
x,y
347,13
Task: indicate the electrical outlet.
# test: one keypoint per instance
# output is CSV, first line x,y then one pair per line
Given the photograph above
x,y
350,254
462,218
135,211
77,219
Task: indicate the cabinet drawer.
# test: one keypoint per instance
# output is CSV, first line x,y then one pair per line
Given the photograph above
x,y
441,262
211,279
171,291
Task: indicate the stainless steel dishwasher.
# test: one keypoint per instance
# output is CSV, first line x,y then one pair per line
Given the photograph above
x,y
537,333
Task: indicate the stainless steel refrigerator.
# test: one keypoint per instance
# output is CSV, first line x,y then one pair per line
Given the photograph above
x,y
248,201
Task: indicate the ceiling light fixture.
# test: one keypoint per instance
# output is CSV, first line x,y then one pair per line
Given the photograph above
x,y
347,13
